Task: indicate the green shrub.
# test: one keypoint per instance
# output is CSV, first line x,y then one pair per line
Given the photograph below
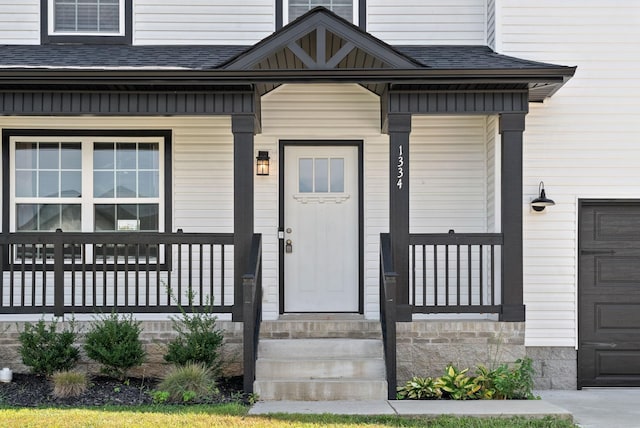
x,y
514,383
114,342
419,388
193,381
198,340
69,384
45,350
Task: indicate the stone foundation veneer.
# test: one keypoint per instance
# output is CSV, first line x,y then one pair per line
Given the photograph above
x,y
556,367
155,335
426,347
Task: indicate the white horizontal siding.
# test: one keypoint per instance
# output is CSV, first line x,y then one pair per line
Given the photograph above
x,y
19,22
202,22
414,22
448,174
202,162
583,142
202,185
322,112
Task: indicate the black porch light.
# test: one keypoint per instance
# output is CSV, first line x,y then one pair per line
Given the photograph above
x,y
539,203
262,163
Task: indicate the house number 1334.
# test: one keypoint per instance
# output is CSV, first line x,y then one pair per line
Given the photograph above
x,y
400,167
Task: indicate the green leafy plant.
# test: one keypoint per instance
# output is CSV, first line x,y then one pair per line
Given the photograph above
x,y
69,384
189,382
160,397
114,342
198,341
45,350
505,382
419,388
457,385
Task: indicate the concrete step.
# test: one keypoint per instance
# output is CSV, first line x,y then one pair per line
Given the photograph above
x,y
320,369
312,369
332,327
321,390
307,349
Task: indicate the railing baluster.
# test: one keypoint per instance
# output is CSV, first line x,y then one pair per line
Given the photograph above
x,y
73,275
33,277
458,275
190,274
44,276
12,255
424,275
446,274
179,297
493,279
83,254
211,275
115,274
435,275
481,263
201,276
469,274
222,257
413,274
126,276
22,278
104,275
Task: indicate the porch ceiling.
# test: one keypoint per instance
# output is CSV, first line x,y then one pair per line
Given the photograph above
x,y
317,47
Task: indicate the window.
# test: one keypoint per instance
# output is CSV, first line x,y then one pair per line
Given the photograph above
x,y
86,21
347,9
321,175
87,184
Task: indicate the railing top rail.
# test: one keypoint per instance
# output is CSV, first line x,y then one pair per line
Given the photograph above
x,y
116,238
456,239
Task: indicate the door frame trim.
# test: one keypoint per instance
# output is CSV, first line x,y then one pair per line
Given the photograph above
x,y
359,144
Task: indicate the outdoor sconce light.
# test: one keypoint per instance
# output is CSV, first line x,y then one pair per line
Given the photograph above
x,y
262,163
539,203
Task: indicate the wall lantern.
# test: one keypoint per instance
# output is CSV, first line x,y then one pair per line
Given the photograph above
x,y
539,203
262,163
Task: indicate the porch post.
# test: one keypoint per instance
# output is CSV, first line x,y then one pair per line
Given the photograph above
x,y
399,128
242,126
511,128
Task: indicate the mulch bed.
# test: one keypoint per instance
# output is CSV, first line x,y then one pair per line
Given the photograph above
x,y
27,390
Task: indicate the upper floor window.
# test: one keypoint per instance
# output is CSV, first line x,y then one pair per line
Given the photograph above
x,y
86,21
347,9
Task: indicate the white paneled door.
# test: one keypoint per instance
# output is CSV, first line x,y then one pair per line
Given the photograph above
x,y
321,229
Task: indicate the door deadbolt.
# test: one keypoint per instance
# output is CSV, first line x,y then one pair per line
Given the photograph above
x,y
288,248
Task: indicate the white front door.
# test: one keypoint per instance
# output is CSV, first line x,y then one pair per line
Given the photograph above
x,y
321,230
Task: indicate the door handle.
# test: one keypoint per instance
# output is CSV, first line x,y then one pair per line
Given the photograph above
x,y
288,247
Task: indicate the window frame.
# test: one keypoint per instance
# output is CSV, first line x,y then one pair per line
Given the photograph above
x,y
49,36
87,200
359,13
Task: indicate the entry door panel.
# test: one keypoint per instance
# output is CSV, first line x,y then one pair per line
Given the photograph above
x,y
609,294
321,229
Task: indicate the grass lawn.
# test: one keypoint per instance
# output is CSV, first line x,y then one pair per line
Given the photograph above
x,y
234,415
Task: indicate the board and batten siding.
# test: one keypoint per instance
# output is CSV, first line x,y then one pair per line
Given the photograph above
x,y
19,22
583,142
428,22
202,22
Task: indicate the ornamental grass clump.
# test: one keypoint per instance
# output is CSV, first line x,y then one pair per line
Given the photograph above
x,y
191,382
69,384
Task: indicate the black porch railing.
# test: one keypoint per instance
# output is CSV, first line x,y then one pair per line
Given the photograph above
x,y
455,272
388,313
68,272
252,311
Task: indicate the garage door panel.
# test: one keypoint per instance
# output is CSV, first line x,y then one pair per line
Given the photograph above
x,y
614,319
609,293
606,223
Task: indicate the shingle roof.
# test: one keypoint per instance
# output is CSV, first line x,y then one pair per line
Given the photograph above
x,y
208,57
466,57
116,56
